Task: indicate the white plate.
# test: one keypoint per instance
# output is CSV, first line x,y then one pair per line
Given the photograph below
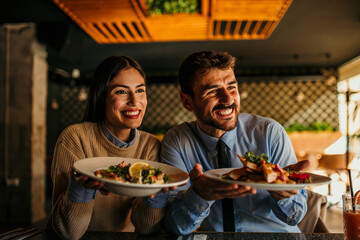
x,y
88,166
216,174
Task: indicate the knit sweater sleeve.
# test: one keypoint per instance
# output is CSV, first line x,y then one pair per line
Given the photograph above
x,y
69,219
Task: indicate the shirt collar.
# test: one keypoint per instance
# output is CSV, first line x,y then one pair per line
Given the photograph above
x,y
211,142
229,138
114,140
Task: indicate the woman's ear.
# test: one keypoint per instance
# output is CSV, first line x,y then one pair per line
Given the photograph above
x,y
186,101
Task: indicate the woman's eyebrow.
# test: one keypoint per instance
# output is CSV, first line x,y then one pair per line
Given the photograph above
x,y
124,86
140,85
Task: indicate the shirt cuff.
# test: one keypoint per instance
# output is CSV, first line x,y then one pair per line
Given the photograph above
x,y
286,204
199,205
290,209
77,193
159,201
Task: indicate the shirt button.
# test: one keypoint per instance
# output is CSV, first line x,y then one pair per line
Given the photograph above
x,y
282,203
202,208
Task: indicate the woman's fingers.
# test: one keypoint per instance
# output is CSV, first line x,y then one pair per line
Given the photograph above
x,y
104,191
88,182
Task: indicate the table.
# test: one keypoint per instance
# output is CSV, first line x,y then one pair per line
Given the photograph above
x,y
50,235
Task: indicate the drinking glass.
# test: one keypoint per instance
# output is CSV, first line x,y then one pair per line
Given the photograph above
x,y
351,216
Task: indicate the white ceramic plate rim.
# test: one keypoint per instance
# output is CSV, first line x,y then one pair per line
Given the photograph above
x,y
80,166
215,174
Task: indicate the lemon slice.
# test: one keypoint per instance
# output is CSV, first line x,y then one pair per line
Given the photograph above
x,y
136,169
356,198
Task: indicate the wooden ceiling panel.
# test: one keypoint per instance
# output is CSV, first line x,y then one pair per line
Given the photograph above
x,y
125,21
270,10
183,28
98,11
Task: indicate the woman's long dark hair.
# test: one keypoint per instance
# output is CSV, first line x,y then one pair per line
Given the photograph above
x,y
104,73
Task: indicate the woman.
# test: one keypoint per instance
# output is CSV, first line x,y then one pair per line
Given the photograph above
x,y
115,109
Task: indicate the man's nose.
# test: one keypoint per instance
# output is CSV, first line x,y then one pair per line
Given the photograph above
x,y
225,97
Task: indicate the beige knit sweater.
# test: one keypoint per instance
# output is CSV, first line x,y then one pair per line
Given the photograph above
x,y
71,220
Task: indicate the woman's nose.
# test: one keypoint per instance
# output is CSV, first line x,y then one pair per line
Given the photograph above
x,y
133,99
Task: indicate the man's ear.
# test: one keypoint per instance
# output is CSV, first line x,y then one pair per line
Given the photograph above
x,y
186,101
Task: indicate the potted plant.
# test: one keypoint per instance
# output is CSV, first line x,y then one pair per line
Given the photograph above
x,y
313,138
159,7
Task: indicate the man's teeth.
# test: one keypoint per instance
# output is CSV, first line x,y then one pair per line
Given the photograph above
x,y
225,111
132,113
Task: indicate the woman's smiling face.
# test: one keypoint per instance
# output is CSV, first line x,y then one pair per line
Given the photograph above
x,y
125,102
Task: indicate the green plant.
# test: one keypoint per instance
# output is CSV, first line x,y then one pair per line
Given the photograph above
x,y
320,126
158,7
314,127
295,127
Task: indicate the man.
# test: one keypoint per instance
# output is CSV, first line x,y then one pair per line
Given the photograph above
x,y
209,89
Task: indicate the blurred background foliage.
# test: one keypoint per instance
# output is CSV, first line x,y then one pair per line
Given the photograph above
x,y
314,127
158,7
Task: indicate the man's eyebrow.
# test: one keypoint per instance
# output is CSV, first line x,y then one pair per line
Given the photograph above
x,y
207,87
232,82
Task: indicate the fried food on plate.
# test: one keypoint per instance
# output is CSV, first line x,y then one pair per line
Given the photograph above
x,y
258,169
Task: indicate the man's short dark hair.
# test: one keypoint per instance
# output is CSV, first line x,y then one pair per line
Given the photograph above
x,y
201,63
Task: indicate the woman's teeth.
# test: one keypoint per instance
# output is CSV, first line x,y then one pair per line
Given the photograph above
x,y
131,113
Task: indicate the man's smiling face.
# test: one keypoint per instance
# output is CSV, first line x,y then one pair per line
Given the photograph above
x,y
216,101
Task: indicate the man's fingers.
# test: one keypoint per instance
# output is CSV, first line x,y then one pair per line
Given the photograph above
x,y
196,172
242,194
299,165
232,190
282,194
233,193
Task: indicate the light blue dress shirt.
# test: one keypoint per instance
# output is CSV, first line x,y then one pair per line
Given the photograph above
x,y
80,194
253,213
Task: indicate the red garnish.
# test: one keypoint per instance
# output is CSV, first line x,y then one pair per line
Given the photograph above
x,y
299,175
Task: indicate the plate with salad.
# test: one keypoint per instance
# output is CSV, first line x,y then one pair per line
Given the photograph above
x,y
130,176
